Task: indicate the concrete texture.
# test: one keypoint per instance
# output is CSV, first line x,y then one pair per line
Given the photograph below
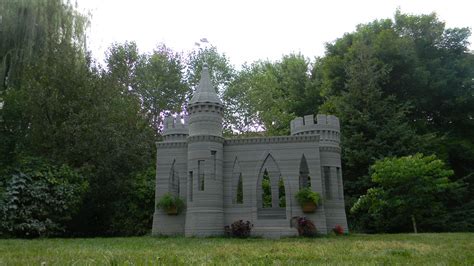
x,y
195,162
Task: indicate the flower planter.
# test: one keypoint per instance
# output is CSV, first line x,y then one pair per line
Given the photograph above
x,y
309,207
172,211
171,204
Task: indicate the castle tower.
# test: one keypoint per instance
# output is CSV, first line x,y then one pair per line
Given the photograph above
x,y
328,128
205,211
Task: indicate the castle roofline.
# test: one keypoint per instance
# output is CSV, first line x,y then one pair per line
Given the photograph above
x,y
205,93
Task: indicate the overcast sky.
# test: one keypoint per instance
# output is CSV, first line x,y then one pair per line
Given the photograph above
x,y
248,30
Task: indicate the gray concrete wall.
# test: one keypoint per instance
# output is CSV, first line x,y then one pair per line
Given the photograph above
x,y
167,153
287,153
205,211
328,128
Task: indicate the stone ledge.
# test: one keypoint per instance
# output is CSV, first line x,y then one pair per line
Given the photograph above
x,y
271,140
169,145
204,138
326,148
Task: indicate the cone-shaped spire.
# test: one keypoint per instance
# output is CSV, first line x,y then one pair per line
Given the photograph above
x,y
205,93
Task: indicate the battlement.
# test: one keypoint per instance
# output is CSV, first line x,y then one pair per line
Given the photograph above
x,y
327,126
175,127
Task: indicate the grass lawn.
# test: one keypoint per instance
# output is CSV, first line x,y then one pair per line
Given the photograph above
x,y
445,248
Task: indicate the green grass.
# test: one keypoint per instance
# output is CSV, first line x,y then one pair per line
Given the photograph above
x,y
428,249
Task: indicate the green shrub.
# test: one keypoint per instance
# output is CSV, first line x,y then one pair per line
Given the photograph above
x,y
409,192
133,211
306,195
305,226
39,198
239,229
168,201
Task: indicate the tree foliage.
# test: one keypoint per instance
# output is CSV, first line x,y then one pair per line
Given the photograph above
x,y
270,94
66,110
398,87
409,191
156,80
38,198
373,126
30,30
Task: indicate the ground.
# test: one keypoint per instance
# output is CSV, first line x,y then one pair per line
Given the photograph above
x,y
429,249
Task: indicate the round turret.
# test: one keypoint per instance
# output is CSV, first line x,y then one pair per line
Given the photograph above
x,y
205,209
327,126
205,109
175,129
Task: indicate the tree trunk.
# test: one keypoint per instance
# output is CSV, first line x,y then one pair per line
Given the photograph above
x,y
414,224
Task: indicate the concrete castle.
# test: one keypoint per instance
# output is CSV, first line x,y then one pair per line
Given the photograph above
x,y
221,179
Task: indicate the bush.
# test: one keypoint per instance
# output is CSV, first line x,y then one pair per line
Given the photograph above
x,y
305,227
338,230
239,229
39,198
133,211
409,192
168,201
306,195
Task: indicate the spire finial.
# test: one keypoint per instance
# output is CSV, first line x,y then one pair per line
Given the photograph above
x,y
205,92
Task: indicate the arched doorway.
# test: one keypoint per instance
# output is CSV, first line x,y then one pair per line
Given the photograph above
x,y
271,191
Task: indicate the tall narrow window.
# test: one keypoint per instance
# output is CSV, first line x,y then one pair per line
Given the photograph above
x,y
266,191
327,181
240,191
173,182
191,185
281,193
339,185
201,174
305,180
214,164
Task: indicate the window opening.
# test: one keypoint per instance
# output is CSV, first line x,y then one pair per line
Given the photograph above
x,y
281,193
266,191
191,184
201,174
327,181
240,191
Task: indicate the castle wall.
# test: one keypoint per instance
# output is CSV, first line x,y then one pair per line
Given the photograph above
x,y
196,163
334,194
205,210
287,152
167,154
328,128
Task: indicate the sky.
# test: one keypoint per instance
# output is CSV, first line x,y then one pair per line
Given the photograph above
x,y
249,30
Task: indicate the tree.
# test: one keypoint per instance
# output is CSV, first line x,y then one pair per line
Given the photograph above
x,y
273,93
39,198
428,67
133,209
123,63
426,83
240,112
31,32
156,80
408,190
66,110
162,88
372,126
31,29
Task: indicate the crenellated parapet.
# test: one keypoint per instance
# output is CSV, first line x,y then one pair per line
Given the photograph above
x,y
326,126
206,108
175,128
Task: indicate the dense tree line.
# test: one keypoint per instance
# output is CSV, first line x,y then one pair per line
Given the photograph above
x,y
77,139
